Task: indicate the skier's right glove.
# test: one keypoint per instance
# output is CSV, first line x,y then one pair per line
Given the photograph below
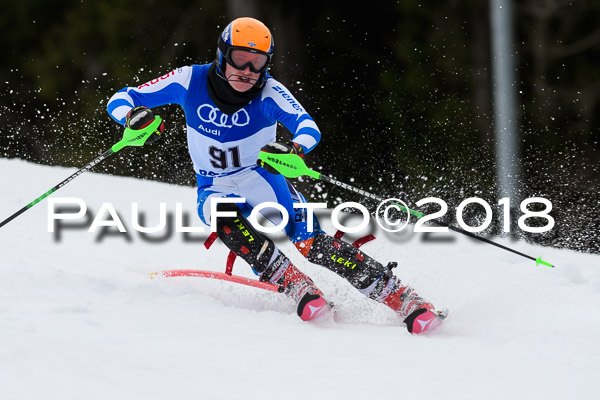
x,y
279,148
140,117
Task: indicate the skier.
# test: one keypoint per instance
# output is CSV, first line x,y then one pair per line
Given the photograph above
x,y
232,107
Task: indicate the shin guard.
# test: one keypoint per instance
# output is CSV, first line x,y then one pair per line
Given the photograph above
x,y
245,241
347,261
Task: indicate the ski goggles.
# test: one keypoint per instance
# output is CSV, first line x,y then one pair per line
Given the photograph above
x,y
240,58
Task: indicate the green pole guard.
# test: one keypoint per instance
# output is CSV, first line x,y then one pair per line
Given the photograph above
x,y
137,137
288,165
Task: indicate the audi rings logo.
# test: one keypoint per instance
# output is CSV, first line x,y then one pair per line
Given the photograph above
x,y
213,115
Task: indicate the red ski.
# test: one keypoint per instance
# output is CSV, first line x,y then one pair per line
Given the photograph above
x,y
217,275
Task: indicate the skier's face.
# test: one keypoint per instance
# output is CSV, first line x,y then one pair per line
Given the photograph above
x,y
240,79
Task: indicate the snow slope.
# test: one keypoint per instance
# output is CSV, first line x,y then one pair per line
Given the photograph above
x,y
80,317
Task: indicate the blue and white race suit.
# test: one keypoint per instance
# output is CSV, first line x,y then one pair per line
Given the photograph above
x,y
224,147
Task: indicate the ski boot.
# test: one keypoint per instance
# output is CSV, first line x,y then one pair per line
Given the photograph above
x,y
418,314
297,286
425,320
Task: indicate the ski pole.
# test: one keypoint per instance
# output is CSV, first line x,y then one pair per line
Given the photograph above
x,y
293,166
130,138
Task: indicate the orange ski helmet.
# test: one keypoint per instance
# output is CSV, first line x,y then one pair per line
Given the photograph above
x,y
245,42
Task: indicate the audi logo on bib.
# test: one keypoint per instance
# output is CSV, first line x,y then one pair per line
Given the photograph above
x,y
213,115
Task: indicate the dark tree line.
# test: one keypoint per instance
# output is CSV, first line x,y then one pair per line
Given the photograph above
x,y
400,89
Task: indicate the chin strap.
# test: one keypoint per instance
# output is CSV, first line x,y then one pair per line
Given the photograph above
x,y
240,80
220,72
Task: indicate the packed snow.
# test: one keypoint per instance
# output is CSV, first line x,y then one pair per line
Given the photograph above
x,y
80,317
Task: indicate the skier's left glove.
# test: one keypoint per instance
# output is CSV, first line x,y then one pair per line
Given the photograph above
x,y
279,148
139,118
